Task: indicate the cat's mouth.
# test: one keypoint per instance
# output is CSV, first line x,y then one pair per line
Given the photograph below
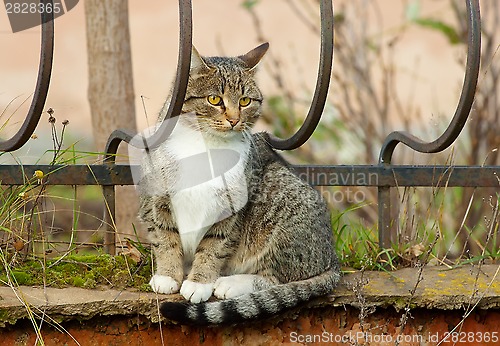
x,y
236,128
228,127
227,131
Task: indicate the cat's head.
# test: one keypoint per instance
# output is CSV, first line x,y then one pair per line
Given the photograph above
x,y
222,92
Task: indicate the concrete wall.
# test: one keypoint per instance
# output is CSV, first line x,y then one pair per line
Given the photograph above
x,y
367,309
329,325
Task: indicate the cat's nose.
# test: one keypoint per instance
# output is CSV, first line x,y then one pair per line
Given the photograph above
x,y
233,121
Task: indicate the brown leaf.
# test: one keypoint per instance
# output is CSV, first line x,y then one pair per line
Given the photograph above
x,y
18,244
134,254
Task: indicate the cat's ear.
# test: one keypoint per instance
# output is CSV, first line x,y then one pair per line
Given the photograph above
x,y
253,57
198,65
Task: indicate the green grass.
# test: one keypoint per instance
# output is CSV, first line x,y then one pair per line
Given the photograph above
x,y
357,246
430,239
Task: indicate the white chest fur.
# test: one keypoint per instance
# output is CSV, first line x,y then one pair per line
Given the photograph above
x,y
209,183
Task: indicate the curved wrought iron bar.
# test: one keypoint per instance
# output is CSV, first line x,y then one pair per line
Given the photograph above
x,y
322,84
41,88
464,105
178,94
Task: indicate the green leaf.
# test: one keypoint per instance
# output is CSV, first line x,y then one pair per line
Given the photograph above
x,y
446,29
248,4
413,10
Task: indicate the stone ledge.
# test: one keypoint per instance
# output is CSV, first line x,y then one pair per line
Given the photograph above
x,y
440,288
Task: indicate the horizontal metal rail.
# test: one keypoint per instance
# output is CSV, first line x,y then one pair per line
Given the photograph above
x,y
358,175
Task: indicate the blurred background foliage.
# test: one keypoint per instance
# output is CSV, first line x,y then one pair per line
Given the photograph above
x,y
366,102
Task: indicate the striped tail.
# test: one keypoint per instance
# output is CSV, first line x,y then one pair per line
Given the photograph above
x,y
256,305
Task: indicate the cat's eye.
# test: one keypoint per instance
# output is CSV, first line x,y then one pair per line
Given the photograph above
x,y
245,101
214,100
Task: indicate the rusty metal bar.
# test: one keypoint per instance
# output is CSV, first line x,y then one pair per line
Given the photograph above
x,y
394,176
322,84
359,175
67,175
42,85
109,224
385,220
178,94
464,105
138,141
386,224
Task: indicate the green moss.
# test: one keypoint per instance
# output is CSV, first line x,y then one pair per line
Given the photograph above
x,y
145,287
401,303
89,280
22,278
78,282
5,316
88,271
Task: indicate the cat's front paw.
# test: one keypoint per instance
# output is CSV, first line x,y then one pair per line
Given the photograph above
x,y
163,284
233,286
196,292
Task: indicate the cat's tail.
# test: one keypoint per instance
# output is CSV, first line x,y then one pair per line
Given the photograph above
x,y
256,305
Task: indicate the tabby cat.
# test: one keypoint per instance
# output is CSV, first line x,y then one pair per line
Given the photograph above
x,y
226,215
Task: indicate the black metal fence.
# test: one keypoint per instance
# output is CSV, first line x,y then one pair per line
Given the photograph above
x,y
389,176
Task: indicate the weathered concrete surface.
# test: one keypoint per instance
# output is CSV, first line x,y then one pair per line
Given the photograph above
x,y
439,288
361,304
